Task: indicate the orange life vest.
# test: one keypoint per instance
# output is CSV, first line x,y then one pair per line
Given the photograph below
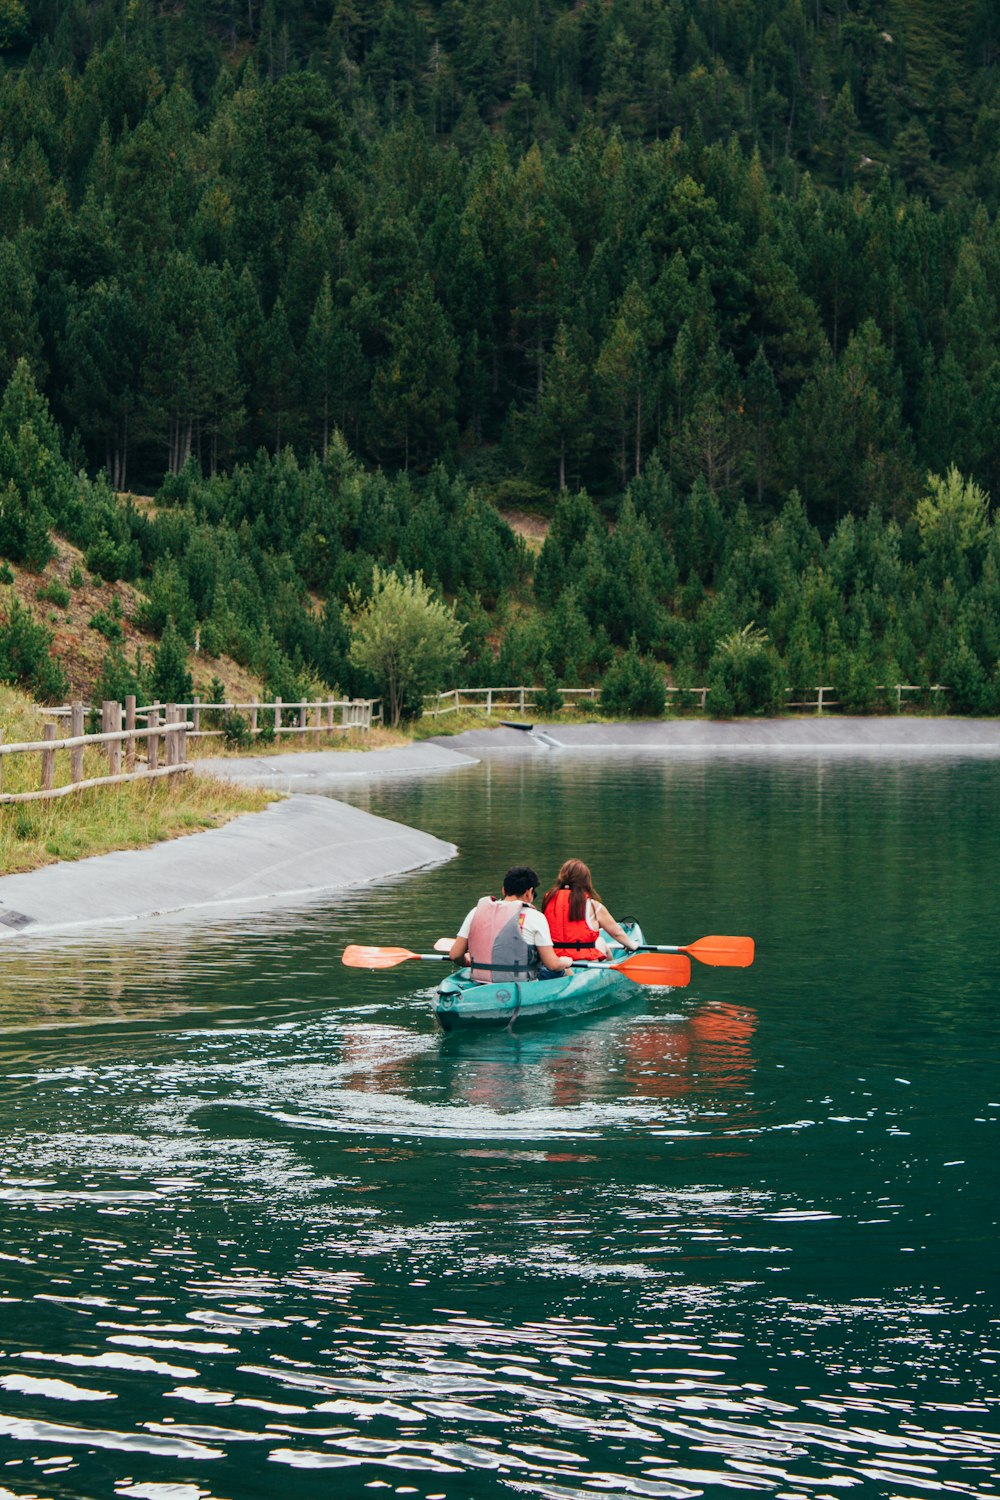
x,y
570,939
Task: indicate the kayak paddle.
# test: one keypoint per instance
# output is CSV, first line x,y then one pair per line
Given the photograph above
x,y
358,957
641,968
648,968
722,952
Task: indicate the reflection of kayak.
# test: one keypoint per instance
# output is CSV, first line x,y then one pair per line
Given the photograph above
x,y
460,1001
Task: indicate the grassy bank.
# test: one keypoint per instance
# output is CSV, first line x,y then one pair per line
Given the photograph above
x,y
130,816
285,744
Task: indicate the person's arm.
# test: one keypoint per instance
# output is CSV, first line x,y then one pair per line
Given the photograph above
x,y
607,923
460,946
536,929
551,959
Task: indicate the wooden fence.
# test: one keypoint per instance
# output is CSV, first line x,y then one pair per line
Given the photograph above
x,y
116,739
307,716
507,700
168,727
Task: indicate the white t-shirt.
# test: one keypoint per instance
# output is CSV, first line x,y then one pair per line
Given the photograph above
x,y
533,925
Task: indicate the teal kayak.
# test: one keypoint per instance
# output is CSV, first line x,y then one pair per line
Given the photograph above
x,y
462,1001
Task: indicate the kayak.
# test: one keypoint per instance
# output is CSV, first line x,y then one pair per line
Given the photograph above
x,y
462,1001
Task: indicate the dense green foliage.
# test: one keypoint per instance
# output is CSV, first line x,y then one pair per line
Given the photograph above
x,y
544,241
725,277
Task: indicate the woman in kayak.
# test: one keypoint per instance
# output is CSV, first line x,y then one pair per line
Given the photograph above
x,y
577,916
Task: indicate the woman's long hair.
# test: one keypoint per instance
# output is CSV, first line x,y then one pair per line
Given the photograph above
x,y
574,877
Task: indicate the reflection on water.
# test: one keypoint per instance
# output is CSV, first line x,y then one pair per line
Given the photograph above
x,y
257,1216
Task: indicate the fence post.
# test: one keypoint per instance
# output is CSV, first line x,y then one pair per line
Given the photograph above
x,y
173,714
153,742
114,746
819,701
196,713
182,738
130,726
75,730
277,717
1,762
899,697
48,760
489,701
704,695
253,720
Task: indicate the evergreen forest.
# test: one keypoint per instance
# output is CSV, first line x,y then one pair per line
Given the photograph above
x,y
711,287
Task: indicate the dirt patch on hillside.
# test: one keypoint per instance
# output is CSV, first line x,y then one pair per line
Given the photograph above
x,y
67,599
533,528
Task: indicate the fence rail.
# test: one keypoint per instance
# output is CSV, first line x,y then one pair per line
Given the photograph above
x,y
172,729
305,716
520,699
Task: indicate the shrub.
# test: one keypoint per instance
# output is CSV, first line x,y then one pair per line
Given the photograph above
x,y
109,559
969,692
170,680
109,627
236,731
77,578
856,682
745,675
209,643
119,678
26,655
56,593
633,687
24,527
549,699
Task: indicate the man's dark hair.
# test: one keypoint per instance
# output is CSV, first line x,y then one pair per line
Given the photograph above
x,y
520,879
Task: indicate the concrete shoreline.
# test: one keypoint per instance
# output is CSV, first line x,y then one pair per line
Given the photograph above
x,y
315,770
310,846
292,853
838,736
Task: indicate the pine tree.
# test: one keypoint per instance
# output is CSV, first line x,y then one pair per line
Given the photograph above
x,y
562,432
414,391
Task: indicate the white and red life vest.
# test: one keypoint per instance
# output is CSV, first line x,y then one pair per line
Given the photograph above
x,y
498,949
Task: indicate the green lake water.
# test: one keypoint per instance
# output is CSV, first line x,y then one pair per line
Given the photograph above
x,y
264,1231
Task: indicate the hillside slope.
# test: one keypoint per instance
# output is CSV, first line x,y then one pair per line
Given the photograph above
x,y
97,615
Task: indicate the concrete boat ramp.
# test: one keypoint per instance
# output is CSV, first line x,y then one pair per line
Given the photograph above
x,y
294,852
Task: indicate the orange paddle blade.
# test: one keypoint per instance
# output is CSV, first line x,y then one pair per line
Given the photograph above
x,y
656,968
358,957
723,952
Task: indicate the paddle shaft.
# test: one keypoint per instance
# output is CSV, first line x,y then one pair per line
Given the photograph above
x,y
720,952
641,968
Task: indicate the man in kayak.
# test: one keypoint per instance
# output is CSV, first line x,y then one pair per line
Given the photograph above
x,y
506,939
